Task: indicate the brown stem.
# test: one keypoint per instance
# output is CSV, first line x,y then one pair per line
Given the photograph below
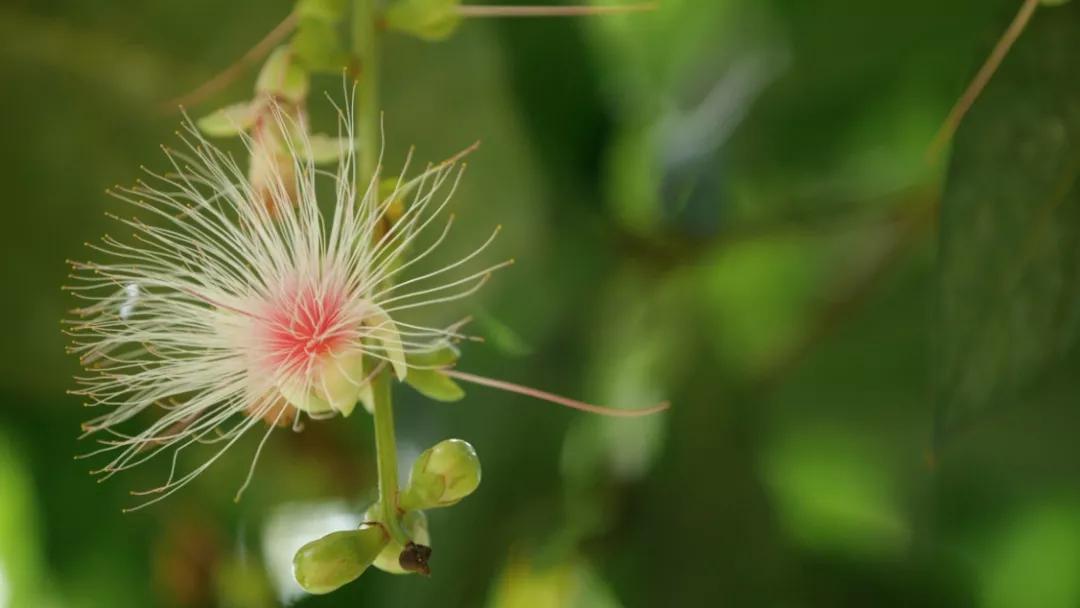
x,y
477,10
225,77
982,77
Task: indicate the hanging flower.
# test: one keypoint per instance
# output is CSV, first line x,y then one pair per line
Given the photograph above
x,y
222,311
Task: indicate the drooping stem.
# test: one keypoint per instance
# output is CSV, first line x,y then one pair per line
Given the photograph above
x,y
386,454
365,45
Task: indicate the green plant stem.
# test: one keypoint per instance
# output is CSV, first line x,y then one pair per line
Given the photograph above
x,y
386,454
365,45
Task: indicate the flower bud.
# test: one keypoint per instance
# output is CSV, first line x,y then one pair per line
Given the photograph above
x,y
442,476
416,526
323,565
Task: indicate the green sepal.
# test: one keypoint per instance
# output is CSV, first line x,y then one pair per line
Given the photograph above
x,y
431,20
283,77
325,564
434,384
229,121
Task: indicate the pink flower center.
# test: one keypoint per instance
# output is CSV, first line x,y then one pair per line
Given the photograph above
x,y
303,325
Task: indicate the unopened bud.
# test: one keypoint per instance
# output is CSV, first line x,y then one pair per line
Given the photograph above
x,y
326,564
442,476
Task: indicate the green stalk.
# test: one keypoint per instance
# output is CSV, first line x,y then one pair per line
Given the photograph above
x,y
365,46
366,50
386,454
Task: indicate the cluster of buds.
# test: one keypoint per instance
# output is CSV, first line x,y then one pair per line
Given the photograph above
x,y
441,476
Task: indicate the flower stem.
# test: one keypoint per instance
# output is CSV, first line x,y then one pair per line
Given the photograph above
x,y
386,454
365,45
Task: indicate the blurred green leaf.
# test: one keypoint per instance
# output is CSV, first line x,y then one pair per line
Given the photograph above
x,y
761,293
21,567
1010,226
571,583
832,493
1036,561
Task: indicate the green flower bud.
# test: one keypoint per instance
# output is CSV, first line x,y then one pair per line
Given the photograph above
x,y
323,565
416,526
442,476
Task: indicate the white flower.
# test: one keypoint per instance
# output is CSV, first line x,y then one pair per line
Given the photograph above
x,y
222,311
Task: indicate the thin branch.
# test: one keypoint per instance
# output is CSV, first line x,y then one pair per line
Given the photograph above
x,y
993,61
225,77
476,10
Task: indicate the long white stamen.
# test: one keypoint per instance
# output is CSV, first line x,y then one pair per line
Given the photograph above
x,y
235,303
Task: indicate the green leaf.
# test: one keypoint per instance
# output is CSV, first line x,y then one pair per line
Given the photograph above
x,y
229,121
832,493
434,384
1009,302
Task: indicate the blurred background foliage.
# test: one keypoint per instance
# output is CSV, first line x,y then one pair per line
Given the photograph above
x,y
726,203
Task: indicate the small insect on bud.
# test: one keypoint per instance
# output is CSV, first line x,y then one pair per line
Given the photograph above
x,y
396,558
415,559
326,564
442,476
